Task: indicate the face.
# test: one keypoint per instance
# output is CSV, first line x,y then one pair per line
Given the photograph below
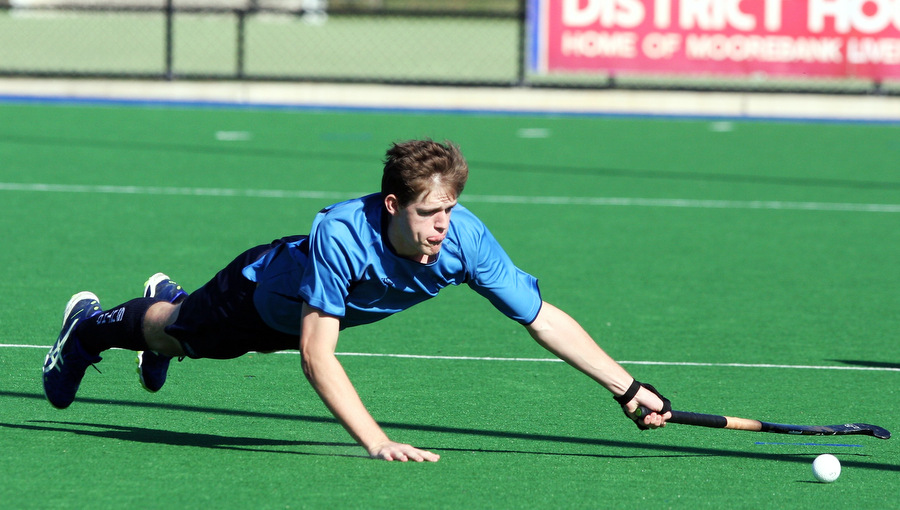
x,y
417,230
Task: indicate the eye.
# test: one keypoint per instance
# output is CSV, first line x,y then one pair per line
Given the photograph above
x,y
431,212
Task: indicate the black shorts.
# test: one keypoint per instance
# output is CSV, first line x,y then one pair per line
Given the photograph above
x,y
220,321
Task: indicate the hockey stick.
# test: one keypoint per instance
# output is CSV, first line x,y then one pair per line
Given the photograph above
x,y
728,422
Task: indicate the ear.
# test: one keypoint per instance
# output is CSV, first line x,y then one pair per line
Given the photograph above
x,y
392,204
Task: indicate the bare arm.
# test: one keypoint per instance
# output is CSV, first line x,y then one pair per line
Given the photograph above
x,y
318,340
560,334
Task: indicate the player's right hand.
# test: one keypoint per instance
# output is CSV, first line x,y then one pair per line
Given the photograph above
x,y
391,451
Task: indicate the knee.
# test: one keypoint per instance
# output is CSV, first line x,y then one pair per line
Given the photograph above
x,y
158,316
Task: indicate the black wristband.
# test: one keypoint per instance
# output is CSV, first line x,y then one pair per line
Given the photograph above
x,y
629,393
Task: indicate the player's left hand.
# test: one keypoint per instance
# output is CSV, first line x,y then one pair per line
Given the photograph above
x,y
645,396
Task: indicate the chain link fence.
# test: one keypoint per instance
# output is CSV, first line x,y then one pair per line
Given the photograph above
x,y
452,42
363,41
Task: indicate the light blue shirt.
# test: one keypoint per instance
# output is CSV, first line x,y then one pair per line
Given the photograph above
x,y
347,268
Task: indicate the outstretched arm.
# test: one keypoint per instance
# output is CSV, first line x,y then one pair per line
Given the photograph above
x,y
560,334
318,340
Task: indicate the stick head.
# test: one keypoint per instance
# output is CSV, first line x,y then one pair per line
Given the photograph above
x,y
861,429
880,433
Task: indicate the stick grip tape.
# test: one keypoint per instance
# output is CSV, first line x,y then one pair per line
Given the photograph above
x,y
701,420
685,418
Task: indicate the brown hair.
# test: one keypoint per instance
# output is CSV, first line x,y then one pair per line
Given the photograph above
x,y
410,165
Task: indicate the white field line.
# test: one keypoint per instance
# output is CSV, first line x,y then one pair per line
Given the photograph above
x,y
556,360
168,190
625,362
493,199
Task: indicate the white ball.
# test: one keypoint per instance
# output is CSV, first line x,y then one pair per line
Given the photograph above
x,y
826,468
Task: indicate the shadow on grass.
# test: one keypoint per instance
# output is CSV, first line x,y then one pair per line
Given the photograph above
x,y
518,167
871,364
648,450
693,176
183,148
172,438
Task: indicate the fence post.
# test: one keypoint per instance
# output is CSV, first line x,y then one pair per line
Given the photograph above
x,y
523,43
241,38
170,11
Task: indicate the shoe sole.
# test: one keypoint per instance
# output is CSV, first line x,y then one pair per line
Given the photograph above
x,y
139,360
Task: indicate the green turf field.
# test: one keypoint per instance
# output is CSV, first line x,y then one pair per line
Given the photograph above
x,y
746,268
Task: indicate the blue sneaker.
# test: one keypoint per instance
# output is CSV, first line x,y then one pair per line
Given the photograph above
x,y
162,287
67,361
153,367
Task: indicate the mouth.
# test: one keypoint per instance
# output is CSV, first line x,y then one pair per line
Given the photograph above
x,y
436,240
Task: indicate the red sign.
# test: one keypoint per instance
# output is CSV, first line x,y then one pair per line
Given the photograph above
x,y
839,38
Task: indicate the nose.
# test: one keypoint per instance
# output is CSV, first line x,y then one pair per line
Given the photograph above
x,y
441,221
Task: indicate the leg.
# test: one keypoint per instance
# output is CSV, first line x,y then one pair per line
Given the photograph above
x,y
127,326
153,363
88,330
158,317
219,320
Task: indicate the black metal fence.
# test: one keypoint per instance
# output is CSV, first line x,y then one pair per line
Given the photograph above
x,y
461,42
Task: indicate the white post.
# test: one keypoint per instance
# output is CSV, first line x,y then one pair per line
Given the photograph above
x,y
315,11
